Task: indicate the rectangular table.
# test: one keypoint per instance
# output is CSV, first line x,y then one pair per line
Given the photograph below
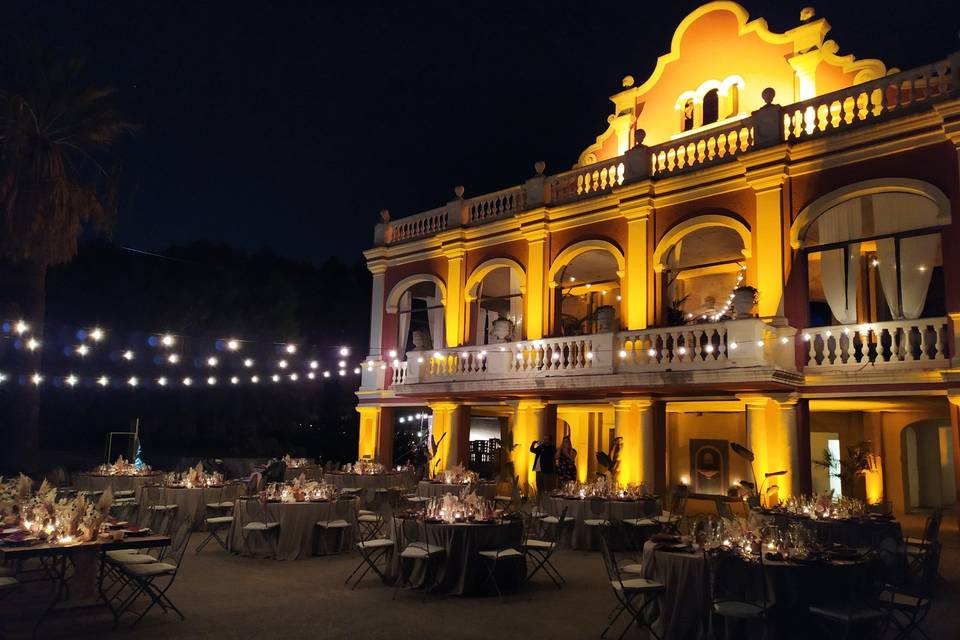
x,y
85,552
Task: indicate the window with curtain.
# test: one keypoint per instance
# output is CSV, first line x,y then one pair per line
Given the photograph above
x,y
702,271
498,296
875,258
420,310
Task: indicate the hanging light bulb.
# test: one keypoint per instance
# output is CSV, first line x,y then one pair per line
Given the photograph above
x,y
82,350
21,327
344,351
343,372
212,361
36,379
173,358
71,380
254,379
96,334
248,362
103,381
167,340
132,381
326,374
291,348
233,344
314,364
293,377
356,370
282,364
275,378
162,381
3,377
234,380
128,355
342,364
187,381
211,381
311,375
33,344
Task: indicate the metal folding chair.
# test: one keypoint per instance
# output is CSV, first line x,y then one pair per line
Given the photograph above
x,y
418,551
539,551
153,580
634,595
375,555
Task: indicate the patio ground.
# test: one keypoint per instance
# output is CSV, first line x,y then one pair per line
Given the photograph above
x,y
228,596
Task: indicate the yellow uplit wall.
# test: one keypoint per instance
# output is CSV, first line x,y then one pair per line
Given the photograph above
x,y
369,432
528,425
683,427
578,420
443,427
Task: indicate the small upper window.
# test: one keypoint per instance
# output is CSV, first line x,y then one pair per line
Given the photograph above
x,y
688,112
711,106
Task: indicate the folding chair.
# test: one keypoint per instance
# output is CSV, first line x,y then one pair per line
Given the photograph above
x,y
218,518
153,580
861,608
161,513
671,518
372,551
731,582
262,524
8,585
511,502
539,551
418,551
634,595
909,606
340,525
916,548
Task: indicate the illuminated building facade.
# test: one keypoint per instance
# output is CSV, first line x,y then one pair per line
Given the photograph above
x,y
615,299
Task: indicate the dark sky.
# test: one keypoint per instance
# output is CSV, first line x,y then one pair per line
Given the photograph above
x,y
291,124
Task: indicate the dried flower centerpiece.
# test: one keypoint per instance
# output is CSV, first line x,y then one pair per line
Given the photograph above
x,y
452,508
123,467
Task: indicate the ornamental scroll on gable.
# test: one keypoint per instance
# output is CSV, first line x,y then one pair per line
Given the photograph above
x,y
719,63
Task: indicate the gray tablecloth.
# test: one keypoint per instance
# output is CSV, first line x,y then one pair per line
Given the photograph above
x,y
461,571
385,480
310,472
299,536
429,489
683,608
97,482
865,533
581,536
190,502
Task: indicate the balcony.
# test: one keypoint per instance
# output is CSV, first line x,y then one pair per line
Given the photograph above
x,y
746,351
845,110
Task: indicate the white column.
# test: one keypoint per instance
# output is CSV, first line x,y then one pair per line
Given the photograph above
x,y
376,310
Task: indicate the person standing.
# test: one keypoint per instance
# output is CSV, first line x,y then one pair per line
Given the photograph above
x,y
566,462
543,463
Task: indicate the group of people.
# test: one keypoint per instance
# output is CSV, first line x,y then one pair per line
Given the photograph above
x,y
553,465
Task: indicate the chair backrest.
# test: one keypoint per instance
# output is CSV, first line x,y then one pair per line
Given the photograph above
x,y
610,564
931,531
929,568
729,577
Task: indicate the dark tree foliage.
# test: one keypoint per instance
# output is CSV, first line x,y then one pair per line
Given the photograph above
x,y
208,292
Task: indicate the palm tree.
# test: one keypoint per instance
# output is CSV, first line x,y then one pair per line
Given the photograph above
x,y
55,132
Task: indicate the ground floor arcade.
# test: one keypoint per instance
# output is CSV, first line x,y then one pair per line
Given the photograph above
x,y
898,449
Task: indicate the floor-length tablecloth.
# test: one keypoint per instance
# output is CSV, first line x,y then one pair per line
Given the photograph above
x,y
461,571
580,535
428,489
97,482
299,536
791,588
191,502
855,532
386,480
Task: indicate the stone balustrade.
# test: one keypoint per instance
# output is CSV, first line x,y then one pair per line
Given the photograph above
x,y
900,343
835,112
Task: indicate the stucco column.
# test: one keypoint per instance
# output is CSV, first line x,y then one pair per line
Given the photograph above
x,y
633,421
536,282
954,398
766,175
529,424
370,424
756,410
454,310
635,297
786,453
377,294
448,425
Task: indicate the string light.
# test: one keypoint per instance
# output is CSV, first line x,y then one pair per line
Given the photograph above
x,y
233,344
254,379
36,379
82,350
344,351
291,348
33,344
187,381
71,380
293,377
212,361
275,378
248,363
282,364
234,380
167,340
162,381
3,377
327,373
96,334
173,358
342,364
103,381
343,372
21,327
311,375
211,381
128,355
314,364
132,381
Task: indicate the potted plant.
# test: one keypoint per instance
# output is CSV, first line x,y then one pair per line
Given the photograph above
x,y
756,492
675,315
606,319
502,329
744,299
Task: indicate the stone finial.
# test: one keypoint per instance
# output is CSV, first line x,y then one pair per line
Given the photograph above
x,y
627,82
638,137
768,95
539,166
458,191
385,215
807,14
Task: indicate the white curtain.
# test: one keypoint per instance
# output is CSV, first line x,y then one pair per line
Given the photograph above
x,y
481,334
516,305
917,258
435,319
887,268
842,222
403,322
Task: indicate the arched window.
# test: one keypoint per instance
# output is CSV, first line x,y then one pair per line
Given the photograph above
x,y
499,306
419,304
711,106
687,121
875,257
701,270
589,293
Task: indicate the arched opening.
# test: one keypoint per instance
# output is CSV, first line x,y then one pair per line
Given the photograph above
x,y
927,458
497,293
702,265
687,115
588,293
874,254
711,106
418,302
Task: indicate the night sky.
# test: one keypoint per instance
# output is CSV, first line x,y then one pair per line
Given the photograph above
x,y
291,124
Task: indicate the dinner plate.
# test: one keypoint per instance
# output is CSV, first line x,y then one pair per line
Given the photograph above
x,y
137,531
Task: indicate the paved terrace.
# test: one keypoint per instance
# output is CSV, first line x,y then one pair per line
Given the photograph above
x,y
227,596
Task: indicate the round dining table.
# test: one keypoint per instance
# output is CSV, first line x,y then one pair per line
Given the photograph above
x,y
299,536
429,489
583,536
868,532
93,482
683,609
460,571
191,501
385,480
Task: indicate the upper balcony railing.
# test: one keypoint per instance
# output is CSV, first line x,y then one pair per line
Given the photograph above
x,y
842,110
911,344
735,344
